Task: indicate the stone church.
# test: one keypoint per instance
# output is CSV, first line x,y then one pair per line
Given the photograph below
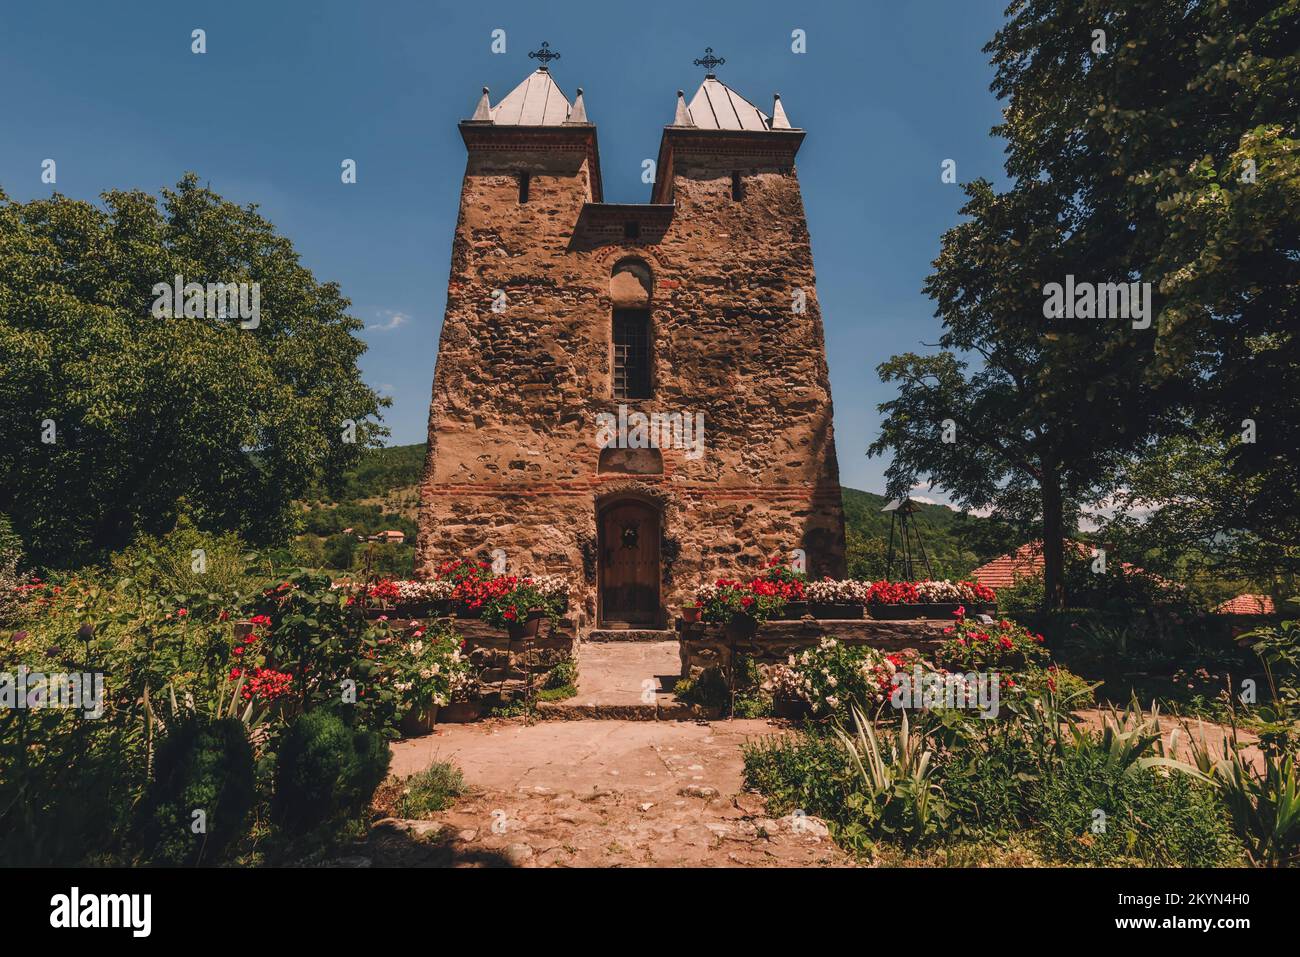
x,y
634,396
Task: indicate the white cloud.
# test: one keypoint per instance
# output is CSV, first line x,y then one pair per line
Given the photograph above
x,y
390,320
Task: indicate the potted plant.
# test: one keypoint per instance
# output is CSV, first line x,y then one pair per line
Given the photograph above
x,y
740,606
429,670
422,599
831,599
789,585
691,614
519,606
893,601
470,585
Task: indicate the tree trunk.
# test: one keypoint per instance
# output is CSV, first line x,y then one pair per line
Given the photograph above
x,y
1053,543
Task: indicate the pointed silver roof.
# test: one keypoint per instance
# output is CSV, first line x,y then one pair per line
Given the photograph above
x,y
716,106
537,101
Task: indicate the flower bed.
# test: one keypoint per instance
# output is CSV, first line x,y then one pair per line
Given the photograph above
x,y
893,601
830,678
468,590
733,602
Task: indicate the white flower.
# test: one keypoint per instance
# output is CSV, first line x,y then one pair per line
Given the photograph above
x,y
831,592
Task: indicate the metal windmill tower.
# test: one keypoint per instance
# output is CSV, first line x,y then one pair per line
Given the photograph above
x,y
905,539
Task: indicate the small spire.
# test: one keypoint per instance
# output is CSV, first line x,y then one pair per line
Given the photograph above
x,y
683,117
483,112
578,114
779,119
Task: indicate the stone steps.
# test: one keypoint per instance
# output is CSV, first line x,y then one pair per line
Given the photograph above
x,y
630,634
624,681
665,708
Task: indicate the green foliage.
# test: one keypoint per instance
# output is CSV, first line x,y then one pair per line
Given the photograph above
x,y
381,470
320,635
239,422
1150,817
11,553
1278,649
199,766
708,689
988,768
326,774
1182,514
807,771
896,796
432,790
561,682
1263,803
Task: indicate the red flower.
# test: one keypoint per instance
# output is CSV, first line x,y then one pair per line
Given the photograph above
x,y
181,612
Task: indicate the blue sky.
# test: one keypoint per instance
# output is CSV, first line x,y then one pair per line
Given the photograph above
x,y
286,91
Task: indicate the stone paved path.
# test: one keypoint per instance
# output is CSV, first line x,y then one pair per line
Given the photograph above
x,y
599,794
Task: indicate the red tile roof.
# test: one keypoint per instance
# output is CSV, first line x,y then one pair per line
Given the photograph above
x,y
1027,562
1246,605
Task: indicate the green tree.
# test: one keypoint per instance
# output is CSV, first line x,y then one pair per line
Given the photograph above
x,y
145,410
1043,419
1176,142
1148,141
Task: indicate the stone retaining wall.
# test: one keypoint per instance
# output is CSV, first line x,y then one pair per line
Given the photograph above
x,y
704,645
503,666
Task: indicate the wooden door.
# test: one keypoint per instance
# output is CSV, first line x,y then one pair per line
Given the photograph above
x,y
629,564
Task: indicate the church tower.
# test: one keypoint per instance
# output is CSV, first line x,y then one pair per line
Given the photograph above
x,y
634,396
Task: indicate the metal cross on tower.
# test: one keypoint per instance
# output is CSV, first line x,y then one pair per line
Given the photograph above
x,y
544,54
709,61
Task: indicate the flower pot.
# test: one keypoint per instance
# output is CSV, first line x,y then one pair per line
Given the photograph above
x,y
691,614
793,611
945,611
419,720
462,610
460,712
527,628
835,611
424,608
792,709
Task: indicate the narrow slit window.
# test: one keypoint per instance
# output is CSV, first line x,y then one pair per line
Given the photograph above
x,y
523,187
631,372
737,186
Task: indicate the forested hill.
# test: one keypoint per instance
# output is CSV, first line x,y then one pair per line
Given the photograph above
x,y
388,476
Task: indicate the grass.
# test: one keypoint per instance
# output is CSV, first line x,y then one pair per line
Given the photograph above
x,y
430,791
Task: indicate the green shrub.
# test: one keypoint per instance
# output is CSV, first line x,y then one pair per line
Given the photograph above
x,y
1150,817
564,674
61,806
986,776
200,766
326,774
808,771
430,790
708,689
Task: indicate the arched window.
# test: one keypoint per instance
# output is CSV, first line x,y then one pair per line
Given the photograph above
x,y
632,353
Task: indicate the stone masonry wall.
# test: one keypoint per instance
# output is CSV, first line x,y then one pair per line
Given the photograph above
x,y
513,459
707,646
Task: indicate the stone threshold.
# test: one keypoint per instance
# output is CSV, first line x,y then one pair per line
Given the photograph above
x,y
630,634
